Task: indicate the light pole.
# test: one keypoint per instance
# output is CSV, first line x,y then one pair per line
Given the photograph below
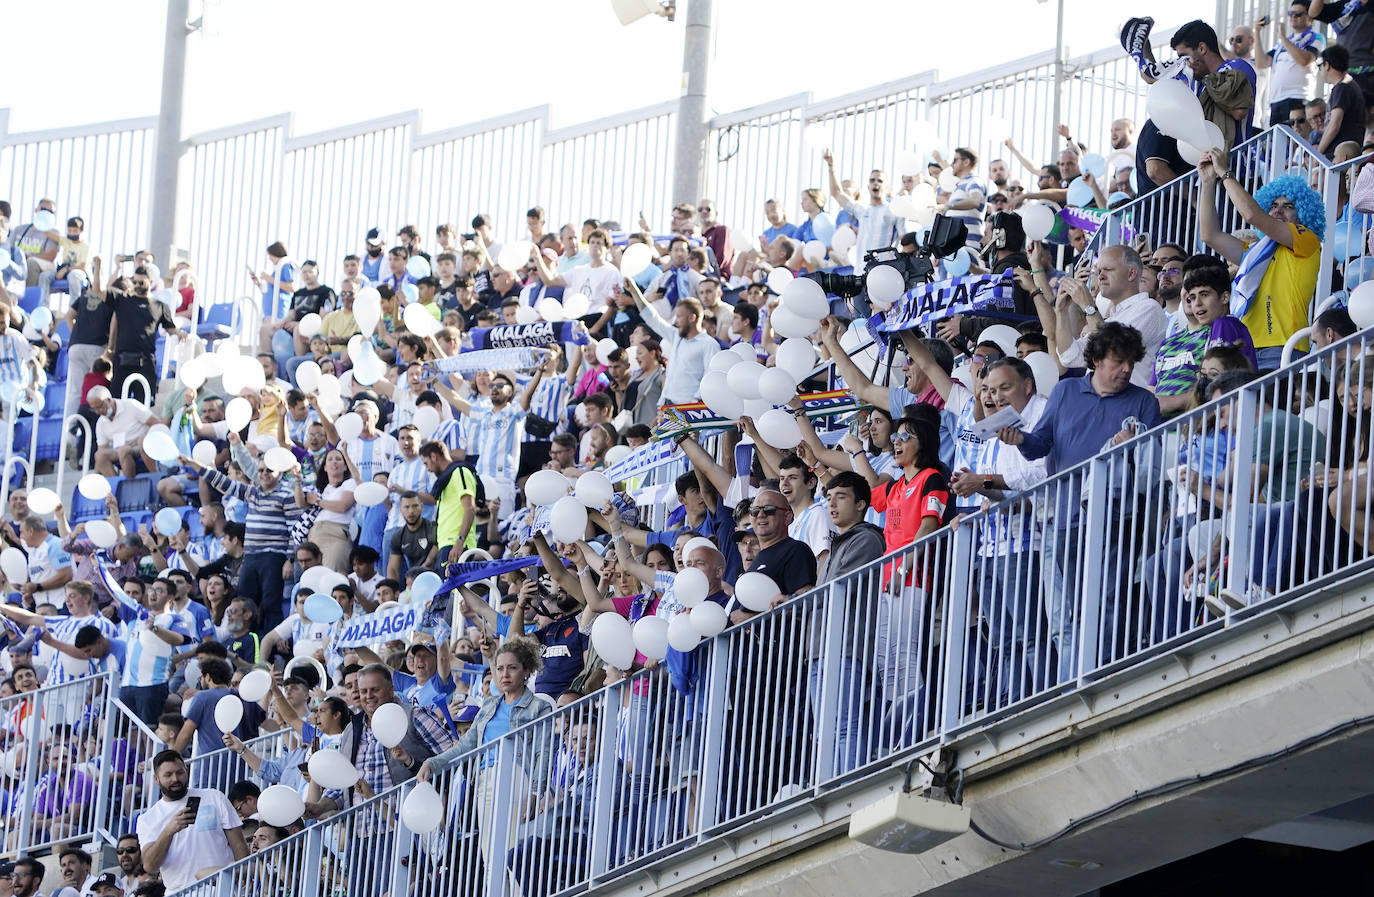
x,y
690,155
170,148
1058,80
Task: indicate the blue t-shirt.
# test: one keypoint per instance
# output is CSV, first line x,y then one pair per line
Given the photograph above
x,y
787,229
564,646
434,692
276,301
201,711
497,726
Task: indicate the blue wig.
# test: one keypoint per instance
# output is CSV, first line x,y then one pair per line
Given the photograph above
x,y
1308,202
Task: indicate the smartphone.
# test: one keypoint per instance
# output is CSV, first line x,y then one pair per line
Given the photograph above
x,y
193,803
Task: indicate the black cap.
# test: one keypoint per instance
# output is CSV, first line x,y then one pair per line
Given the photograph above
x,y
421,646
6,870
374,236
105,880
742,534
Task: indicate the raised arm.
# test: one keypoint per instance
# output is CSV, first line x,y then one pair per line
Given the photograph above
x,y
553,565
1209,225
640,571
863,388
1021,157
703,463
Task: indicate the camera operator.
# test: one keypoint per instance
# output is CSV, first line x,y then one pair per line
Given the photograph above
x,y
1005,243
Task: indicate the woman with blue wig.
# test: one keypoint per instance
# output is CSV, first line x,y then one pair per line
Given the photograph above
x,y
1273,289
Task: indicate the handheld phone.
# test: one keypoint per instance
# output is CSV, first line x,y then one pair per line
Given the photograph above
x,y
193,804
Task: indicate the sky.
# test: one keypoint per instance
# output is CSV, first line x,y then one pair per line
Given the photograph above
x,y
343,61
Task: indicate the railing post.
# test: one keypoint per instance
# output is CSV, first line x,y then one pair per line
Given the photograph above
x,y
1331,200
605,816
87,448
713,741
1242,469
105,782
957,612
37,712
832,669
499,817
313,862
1092,544
399,873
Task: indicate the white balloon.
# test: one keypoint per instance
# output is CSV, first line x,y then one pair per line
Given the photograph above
x,y
331,769
709,619
369,494
308,376
777,386
423,809
426,420
419,321
744,351
255,685
726,404
721,362
349,426
743,379
884,283
280,805
650,636
355,345
614,640
714,384
1175,110
94,486
279,459
367,309
1360,304
805,298
755,591
617,453
1003,335
797,357
43,501
779,429
682,635
693,544
690,585
514,255
238,413
544,487
593,489
204,453
814,253
604,348
15,566
525,314
191,373
1037,220
389,723
844,239
904,207
310,325
575,306
550,309
101,533
158,446
228,713
922,197
789,324
778,279
635,258
567,519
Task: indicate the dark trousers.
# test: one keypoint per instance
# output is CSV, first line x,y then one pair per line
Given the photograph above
x,y
148,702
260,579
125,366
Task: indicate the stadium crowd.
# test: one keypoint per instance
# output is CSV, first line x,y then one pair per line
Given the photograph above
x,y
477,429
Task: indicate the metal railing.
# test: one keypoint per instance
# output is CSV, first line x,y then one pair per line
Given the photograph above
x,y
1223,515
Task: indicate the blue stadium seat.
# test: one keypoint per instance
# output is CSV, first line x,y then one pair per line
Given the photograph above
x,y
23,431
215,321
136,495
84,509
49,439
53,396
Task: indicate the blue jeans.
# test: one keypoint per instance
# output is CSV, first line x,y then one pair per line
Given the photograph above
x,y
853,728
1270,356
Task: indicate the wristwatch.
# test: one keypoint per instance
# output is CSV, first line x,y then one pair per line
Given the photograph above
x,y
988,483
1090,310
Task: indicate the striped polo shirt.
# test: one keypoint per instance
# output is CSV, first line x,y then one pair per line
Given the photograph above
x,y
270,514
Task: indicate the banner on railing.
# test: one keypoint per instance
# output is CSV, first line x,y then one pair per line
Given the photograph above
x,y
690,417
989,295
538,333
1091,220
642,460
381,626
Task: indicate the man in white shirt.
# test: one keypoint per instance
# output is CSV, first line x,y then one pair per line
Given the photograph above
x,y
1120,300
597,280
968,201
688,348
189,829
677,282
1294,78
77,879
877,224
120,427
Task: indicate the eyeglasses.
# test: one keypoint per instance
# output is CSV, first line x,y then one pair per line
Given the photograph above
x,y
764,511
984,359
706,209
1296,13
1171,271
346,293
1237,39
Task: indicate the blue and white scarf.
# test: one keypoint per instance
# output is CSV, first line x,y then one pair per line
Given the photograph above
x,y
990,295
537,333
1252,267
642,460
487,360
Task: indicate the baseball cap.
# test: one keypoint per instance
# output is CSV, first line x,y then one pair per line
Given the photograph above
x,y
295,679
742,534
467,714
6,870
375,236
421,646
105,880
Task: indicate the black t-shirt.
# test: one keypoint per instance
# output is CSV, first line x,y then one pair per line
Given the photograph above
x,y
1347,97
1357,36
470,314
139,319
447,296
415,544
226,564
788,563
312,302
93,317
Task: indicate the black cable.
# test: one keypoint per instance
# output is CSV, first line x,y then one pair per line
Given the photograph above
x,y
1169,787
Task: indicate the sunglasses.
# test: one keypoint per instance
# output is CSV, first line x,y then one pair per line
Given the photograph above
x,y
125,851
903,437
1171,271
764,511
1297,121
1017,189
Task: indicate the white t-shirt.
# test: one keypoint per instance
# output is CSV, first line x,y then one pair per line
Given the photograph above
x,y
1289,80
127,426
201,845
597,284
295,629
333,492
